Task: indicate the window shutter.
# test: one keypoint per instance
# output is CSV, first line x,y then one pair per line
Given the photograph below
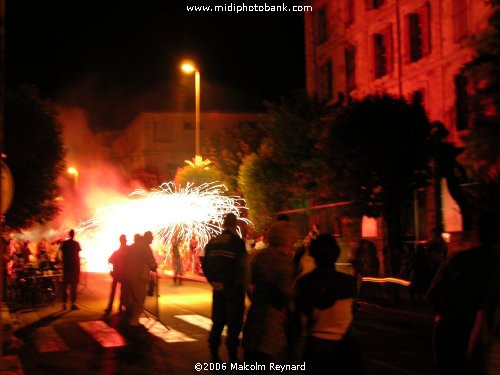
x,y
425,22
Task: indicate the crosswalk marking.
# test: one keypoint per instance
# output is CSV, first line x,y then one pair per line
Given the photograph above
x,y
105,335
197,320
200,321
159,330
48,340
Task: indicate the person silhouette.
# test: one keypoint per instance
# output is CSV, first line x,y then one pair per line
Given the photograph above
x,y
116,259
70,250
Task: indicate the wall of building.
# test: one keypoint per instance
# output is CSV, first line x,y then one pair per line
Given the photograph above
x,y
433,74
449,30
162,141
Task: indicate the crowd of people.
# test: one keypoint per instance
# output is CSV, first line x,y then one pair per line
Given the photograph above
x,y
295,315
26,261
302,308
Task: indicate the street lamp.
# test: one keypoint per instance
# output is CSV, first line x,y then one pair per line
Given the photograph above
x,y
189,68
73,171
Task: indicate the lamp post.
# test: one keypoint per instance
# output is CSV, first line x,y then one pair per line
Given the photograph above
x,y
190,68
73,171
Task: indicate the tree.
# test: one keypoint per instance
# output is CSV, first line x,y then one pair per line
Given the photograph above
x,y
228,147
197,171
375,152
35,154
260,180
482,140
292,131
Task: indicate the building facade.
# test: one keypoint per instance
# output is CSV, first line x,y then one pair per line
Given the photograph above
x,y
160,142
414,49
410,48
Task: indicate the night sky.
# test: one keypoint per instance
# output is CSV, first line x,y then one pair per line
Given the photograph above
x,y
116,59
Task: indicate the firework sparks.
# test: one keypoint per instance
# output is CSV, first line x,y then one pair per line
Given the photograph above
x,y
167,211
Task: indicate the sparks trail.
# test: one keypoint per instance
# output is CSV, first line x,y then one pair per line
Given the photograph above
x,y
167,211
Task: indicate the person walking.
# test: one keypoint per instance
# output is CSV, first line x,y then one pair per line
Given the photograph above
x,y
459,295
138,262
70,250
272,272
116,260
326,296
224,266
177,259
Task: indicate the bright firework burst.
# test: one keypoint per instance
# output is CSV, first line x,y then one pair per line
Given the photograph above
x,y
166,211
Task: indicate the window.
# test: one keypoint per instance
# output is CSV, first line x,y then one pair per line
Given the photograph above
x,y
325,84
373,4
415,37
461,102
382,49
460,17
350,68
320,26
349,12
418,34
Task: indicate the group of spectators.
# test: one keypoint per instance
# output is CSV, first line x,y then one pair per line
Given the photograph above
x,y
294,316
132,266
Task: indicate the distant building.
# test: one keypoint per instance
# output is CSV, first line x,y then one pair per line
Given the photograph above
x,y
410,48
160,142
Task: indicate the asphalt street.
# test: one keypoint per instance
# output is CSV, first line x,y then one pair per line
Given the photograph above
x,y
49,340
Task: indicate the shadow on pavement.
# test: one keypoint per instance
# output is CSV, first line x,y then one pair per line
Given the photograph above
x,y
26,331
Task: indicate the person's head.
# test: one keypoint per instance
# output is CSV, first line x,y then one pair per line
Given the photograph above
x,y
282,234
71,233
148,237
325,250
123,239
137,238
230,221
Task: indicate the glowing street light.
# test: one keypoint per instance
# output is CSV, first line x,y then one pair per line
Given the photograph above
x,y
73,171
190,68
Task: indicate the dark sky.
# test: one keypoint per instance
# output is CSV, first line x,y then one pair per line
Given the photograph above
x,y
116,58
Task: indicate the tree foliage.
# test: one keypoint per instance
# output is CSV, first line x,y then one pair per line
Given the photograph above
x,y
482,140
293,129
228,147
35,154
375,152
196,174
260,180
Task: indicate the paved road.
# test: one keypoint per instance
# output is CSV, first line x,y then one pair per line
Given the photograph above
x,y
81,342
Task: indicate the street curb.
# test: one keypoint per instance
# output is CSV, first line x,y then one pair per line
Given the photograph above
x,y
425,316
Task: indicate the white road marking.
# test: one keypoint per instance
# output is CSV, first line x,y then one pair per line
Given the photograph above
x,y
168,335
200,321
105,335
